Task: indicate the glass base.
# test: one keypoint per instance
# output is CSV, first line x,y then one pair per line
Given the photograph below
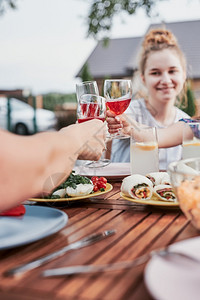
x,y
97,164
119,135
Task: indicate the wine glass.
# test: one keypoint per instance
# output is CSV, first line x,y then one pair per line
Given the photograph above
x,y
92,107
86,87
118,93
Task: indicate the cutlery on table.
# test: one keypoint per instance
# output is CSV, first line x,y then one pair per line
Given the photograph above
x,y
91,239
166,253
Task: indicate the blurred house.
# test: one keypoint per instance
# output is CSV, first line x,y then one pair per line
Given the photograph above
x,y
18,93
119,58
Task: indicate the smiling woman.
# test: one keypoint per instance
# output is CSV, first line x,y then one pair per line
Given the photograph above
x,y
162,69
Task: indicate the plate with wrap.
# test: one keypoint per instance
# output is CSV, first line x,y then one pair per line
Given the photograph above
x,y
139,189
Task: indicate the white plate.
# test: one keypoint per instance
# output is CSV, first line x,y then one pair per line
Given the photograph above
x,y
167,280
37,223
112,171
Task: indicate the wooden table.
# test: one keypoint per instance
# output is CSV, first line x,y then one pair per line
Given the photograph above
x,y
140,229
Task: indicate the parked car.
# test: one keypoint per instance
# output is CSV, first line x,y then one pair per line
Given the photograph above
x,y
22,115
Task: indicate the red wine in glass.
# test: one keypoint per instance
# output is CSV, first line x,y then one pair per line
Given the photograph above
x,y
118,93
92,107
90,111
118,107
90,118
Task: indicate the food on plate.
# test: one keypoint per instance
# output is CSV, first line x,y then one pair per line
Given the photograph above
x,y
137,187
188,193
80,190
60,193
165,192
15,211
99,183
159,178
76,186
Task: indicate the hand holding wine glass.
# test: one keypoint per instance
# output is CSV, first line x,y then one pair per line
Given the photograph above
x,y
118,93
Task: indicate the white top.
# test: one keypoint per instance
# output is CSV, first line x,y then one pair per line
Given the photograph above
x,y
137,110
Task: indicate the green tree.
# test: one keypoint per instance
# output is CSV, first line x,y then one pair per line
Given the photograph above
x,y
190,108
85,73
102,12
187,101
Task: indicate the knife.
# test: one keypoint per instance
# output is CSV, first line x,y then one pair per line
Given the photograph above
x,y
91,239
83,269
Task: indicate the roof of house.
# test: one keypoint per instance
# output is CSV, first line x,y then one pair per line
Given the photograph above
x,y
114,59
119,58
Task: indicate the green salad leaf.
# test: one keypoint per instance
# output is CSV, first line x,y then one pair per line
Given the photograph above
x,y
73,180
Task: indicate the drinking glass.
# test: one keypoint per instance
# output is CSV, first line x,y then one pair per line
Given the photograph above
x,y
86,87
118,93
92,107
144,150
191,140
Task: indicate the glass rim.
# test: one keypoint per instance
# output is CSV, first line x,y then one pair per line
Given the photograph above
x,y
86,82
117,80
93,95
172,165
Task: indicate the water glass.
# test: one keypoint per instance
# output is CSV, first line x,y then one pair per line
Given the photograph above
x,y
144,150
191,140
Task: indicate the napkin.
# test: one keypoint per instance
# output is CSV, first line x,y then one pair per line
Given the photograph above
x,y
15,211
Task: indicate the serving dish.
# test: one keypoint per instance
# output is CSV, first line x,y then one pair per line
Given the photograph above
x,y
109,187
155,201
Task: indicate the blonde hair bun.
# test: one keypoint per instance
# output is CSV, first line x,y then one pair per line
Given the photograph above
x,y
157,37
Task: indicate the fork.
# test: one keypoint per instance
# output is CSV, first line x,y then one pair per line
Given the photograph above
x,y
165,253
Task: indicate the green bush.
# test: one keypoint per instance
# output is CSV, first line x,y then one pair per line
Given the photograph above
x,y
85,73
188,102
54,101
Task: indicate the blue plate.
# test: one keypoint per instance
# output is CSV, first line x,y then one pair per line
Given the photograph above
x,y
37,223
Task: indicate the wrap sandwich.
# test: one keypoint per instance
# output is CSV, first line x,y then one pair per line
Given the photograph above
x,y
137,187
159,178
165,192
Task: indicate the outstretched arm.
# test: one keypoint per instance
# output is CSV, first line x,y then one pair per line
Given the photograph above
x,y
167,137
38,163
172,135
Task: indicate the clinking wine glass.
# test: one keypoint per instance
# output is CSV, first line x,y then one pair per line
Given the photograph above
x,y
86,87
92,107
118,93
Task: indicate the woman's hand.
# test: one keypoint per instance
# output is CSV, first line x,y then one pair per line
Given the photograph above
x,y
122,122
